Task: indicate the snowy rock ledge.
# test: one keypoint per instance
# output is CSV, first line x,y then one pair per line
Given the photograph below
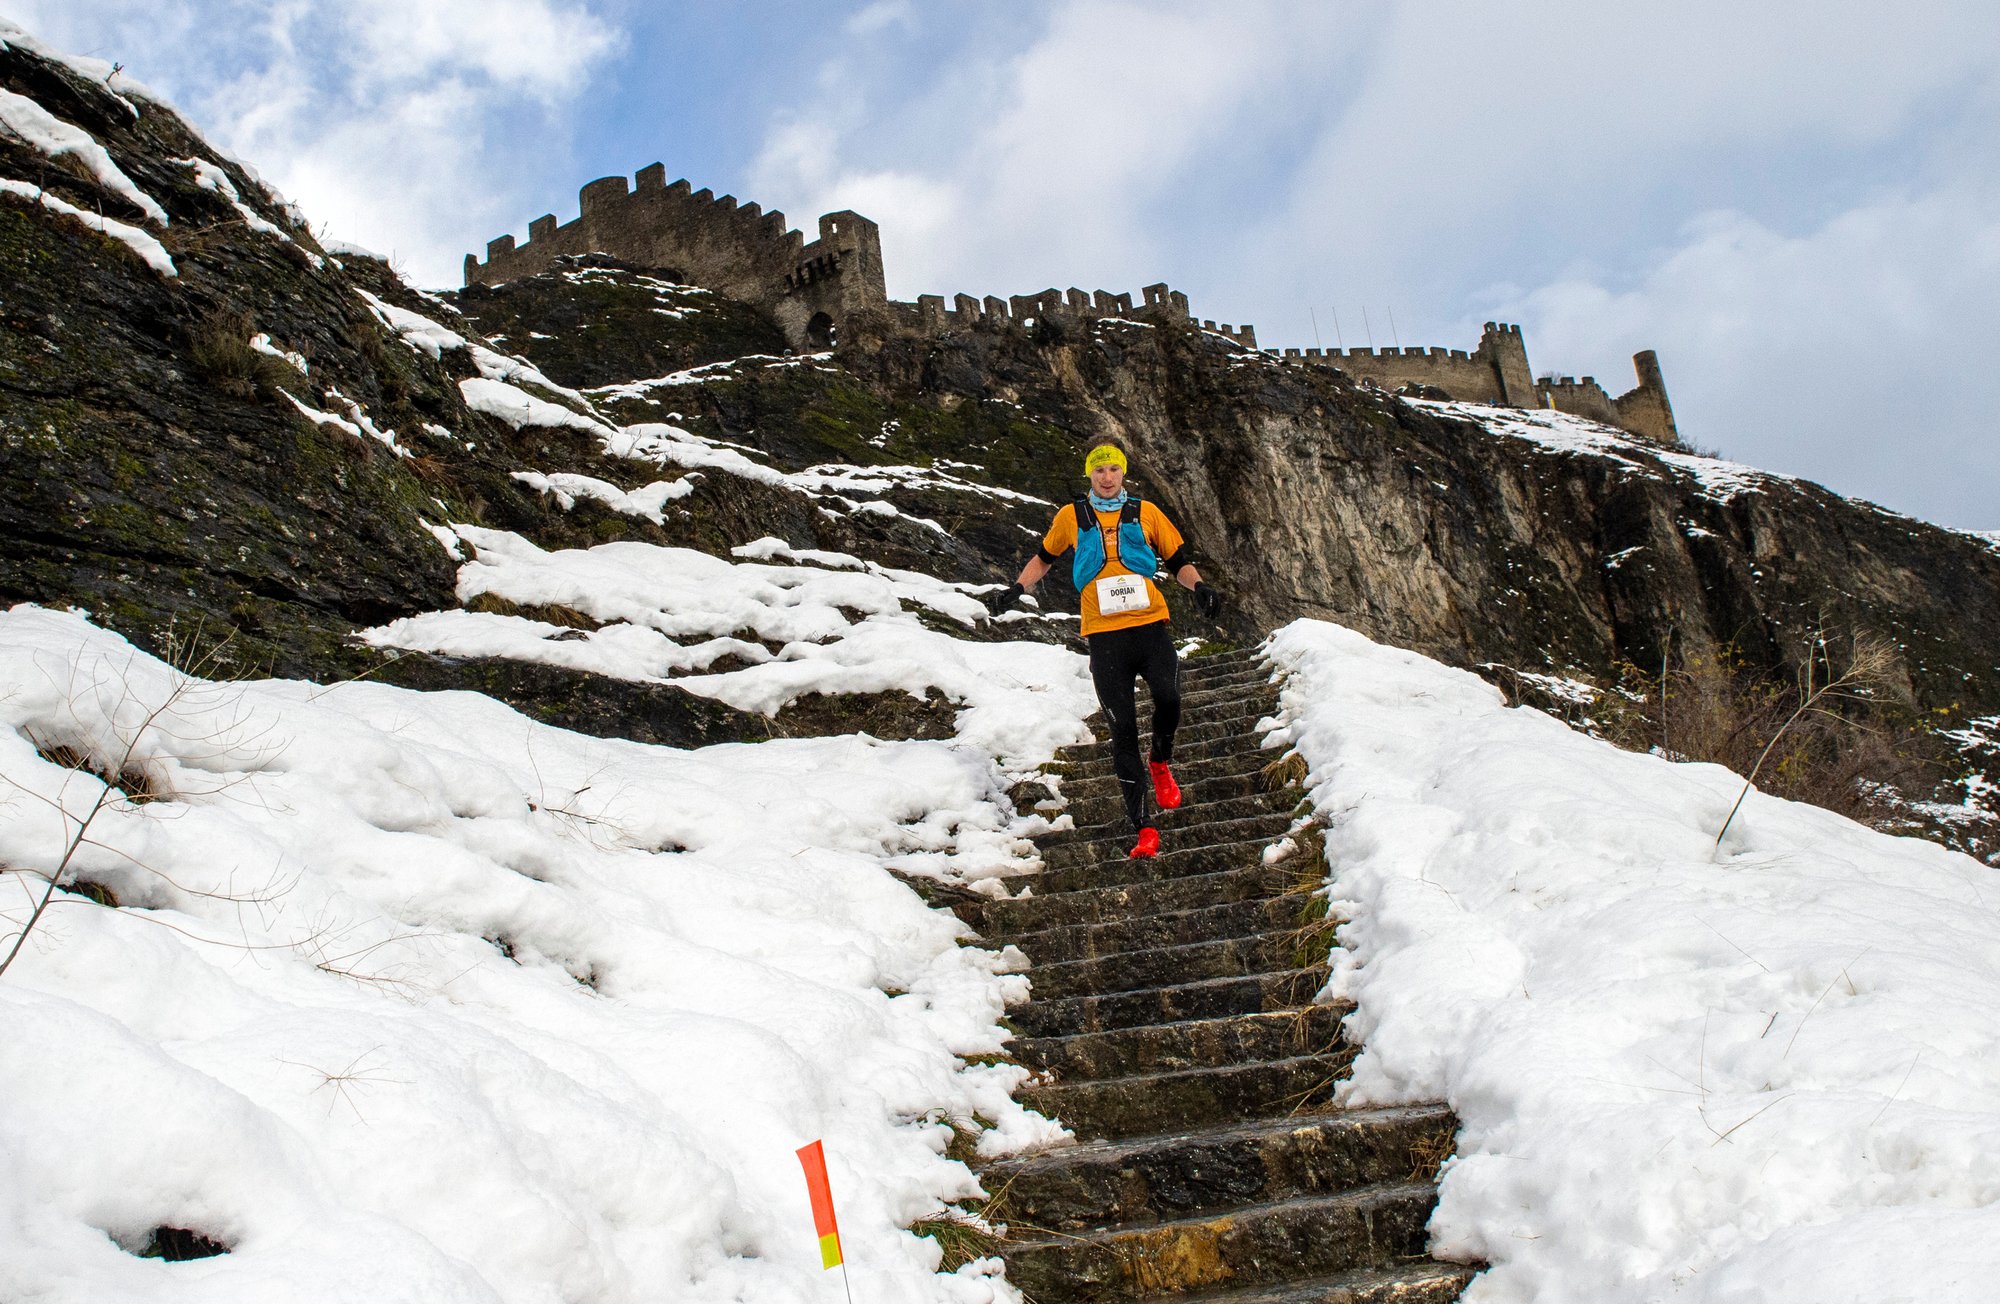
x,y
406,997
1764,1072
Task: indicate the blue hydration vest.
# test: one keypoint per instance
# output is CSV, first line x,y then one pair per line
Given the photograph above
x,y
1134,553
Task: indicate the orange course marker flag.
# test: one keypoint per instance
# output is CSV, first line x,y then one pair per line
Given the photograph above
x,y
813,1159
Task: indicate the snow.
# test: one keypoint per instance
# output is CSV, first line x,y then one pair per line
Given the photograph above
x,y
1561,432
520,409
29,122
355,423
1720,480
112,77
261,343
671,613
416,330
500,376
1763,1071
152,251
410,998
210,176
648,501
707,373
1554,432
348,249
671,445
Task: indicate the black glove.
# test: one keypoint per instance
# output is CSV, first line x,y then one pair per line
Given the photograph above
x,y
1005,598
1207,599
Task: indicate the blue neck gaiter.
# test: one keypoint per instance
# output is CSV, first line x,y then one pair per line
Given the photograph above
x,y
1108,504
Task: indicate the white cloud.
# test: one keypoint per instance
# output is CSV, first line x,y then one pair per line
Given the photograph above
x,y
883,13
1855,354
386,121
1444,160
530,45
1023,168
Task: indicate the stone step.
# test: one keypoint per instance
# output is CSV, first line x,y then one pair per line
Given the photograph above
x,y
1182,1100
1098,846
1106,805
998,920
1217,704
1417,1281
1137,932
1213,696
1264,1243
1131,971
1193,775
1280,989
1193,1044
1231,657
1173,861
1199,806
1093,760
1243,680
1195,726
1190,735
1247,671
1157,1179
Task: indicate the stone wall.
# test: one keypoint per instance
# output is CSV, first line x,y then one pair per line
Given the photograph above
x,y
811,290
1495,372
835,288
1642,410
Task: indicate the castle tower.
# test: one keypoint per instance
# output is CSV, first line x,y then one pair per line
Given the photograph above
x,y
813,291
1644,410
1501,347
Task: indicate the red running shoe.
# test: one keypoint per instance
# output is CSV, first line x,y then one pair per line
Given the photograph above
x,y
1148,845
1164,788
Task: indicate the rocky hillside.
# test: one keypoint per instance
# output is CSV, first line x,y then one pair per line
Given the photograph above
x,y
213,422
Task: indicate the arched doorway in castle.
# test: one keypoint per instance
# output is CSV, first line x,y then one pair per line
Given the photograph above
x,y
820,331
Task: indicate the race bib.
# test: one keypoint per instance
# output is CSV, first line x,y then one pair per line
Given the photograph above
x,y
1116,593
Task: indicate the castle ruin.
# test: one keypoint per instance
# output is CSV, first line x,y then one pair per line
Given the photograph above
x,y
834,289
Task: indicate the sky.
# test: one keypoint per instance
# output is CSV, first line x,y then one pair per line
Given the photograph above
x,y
1796,205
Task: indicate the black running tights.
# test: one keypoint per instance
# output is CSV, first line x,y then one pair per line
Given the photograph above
x,y
1117,657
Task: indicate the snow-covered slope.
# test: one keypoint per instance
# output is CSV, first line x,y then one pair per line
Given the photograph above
x,y
407,997
1760,1071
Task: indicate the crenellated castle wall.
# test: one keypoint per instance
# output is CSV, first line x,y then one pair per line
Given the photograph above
x,y
835,288
709,240
1496,372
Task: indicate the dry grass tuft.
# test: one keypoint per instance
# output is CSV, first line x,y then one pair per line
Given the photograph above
x,y
219,347
965,1134
549,613
134,782
961,1237
1427,1155
1287,771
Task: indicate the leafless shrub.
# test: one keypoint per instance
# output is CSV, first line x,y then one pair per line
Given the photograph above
x,y
1836,733
219,347
114,758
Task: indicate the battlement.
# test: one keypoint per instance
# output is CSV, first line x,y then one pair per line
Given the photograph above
x,y
834,287
712,241
1497,372
929,315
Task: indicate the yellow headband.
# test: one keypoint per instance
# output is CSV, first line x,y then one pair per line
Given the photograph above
x,y
1103,455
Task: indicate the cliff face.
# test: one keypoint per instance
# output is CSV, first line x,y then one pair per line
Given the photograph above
x,y
167,464
1475,534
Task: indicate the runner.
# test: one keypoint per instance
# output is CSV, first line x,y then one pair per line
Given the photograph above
x,y
1124,622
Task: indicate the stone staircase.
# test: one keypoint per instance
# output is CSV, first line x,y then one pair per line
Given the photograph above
x,y
1172,1022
